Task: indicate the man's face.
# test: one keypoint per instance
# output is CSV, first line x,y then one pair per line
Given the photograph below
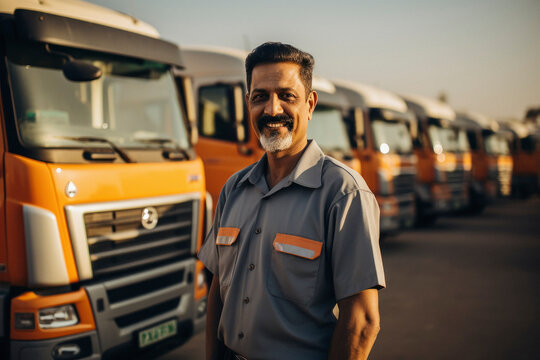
x,y
278,108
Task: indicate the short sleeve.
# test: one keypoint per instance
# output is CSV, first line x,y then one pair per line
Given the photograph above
x,y
208,253
356,256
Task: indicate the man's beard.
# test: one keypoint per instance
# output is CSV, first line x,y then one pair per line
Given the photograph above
x,y
275,142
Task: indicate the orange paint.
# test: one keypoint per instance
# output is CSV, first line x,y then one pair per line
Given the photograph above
x,y
299,242
43,185
30,302
227,236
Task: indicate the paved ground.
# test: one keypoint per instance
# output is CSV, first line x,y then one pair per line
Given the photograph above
x,y
466,288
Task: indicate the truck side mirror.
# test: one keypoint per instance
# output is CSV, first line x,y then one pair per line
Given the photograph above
x,y
77,70
239,113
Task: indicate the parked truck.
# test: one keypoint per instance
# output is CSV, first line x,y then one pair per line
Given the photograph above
x,y
101,194
491,174
377,127
525,148
227,141
442,169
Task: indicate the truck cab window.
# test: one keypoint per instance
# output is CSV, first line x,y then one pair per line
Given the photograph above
x,y
216,112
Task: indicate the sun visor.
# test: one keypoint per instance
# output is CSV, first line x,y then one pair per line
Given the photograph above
x,y
59,30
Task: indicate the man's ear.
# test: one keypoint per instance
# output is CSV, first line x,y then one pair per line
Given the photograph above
x,y
312,102
247,100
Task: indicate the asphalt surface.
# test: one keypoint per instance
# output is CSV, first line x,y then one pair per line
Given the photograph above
x,y
466,288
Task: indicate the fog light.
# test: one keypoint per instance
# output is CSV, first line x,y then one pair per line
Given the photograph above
x,y
66,351
25,321
57,317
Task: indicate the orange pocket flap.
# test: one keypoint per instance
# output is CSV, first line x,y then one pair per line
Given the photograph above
x,y
227,236
298,246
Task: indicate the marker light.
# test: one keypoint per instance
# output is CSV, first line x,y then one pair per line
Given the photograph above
x,y
56,317
24,321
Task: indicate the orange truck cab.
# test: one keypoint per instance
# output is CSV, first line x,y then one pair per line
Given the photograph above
x,y
442,169
227,142
491,173
525,148
101,194
377,127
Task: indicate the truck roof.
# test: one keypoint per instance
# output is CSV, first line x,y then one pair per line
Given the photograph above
x,y
81,10
480,120
375,97
210,62
431,107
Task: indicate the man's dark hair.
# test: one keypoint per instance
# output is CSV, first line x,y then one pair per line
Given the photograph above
x,y
276,52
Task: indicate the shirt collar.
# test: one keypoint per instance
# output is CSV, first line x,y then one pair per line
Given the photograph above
x,y
307,172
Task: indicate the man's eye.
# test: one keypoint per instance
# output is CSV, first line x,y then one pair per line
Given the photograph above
x,y
257,97
288,96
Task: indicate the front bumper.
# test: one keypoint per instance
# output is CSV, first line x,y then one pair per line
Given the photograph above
x,y
125,306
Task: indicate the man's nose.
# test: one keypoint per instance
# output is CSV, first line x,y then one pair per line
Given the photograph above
x,y
273,106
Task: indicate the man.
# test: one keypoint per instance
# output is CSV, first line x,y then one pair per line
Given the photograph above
x,y
293,234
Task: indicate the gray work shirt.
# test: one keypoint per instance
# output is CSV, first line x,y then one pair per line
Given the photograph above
x,y
285,255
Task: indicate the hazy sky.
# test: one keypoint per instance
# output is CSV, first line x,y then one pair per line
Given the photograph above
x,y
484,54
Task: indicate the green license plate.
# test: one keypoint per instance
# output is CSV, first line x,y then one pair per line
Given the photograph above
x,y
157,333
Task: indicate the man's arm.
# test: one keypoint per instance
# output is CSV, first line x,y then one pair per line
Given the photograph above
x,y
357,326
214,347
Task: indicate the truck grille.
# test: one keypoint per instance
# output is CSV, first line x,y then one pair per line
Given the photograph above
x,y
404,184
456,177
118,242
109,239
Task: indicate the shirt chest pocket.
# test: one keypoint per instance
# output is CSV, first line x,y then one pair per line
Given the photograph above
x,y
294,268
227,252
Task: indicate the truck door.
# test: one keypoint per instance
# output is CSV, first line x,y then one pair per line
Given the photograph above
x,y
225,143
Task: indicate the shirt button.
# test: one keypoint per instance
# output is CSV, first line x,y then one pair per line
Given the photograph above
x,y
241,335
258,231
246,300
251,267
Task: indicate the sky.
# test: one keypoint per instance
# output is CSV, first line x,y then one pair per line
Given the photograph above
x,y
483,54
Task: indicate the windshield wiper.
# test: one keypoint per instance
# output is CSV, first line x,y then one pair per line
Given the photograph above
x,y
119,151
161,141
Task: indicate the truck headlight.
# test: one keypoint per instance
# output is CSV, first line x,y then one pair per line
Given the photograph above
x,y
57,317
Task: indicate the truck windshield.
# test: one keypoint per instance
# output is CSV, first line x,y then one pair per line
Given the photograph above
x,y
496,144
462,141
328,129
133,102
443,139
391,137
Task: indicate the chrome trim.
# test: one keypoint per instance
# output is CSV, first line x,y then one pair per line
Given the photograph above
x,y
44,254
77,227
132,234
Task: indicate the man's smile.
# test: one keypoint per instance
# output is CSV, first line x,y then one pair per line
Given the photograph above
x,y
275,122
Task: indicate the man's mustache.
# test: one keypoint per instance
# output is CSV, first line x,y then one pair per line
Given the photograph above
x,y
265,119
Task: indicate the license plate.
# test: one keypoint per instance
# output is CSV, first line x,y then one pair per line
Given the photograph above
x,y
157,333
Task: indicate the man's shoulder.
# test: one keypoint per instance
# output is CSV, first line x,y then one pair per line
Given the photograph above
x,y
337,175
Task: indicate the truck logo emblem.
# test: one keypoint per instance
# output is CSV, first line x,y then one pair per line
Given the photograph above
x,y
71,190
149,217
